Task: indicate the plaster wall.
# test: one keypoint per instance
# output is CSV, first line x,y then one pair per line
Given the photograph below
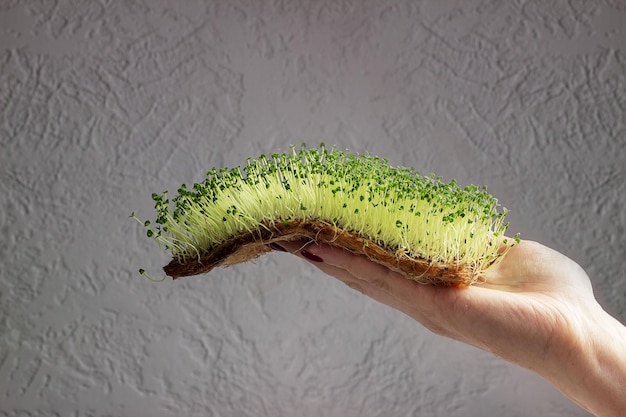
x,y
104,102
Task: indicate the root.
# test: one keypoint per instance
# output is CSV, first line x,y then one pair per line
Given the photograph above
x,y
250,245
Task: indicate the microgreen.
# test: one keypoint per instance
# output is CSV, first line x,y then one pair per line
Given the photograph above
x,y
395,207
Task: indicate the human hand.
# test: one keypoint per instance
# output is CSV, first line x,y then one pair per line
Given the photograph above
x,y
536,309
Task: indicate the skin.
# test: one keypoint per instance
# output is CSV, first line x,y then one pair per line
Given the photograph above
x,y
536,309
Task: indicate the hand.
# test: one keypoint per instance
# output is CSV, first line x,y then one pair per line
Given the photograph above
x,y
536,309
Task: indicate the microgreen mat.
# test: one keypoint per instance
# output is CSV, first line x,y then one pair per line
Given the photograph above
x,y
397,208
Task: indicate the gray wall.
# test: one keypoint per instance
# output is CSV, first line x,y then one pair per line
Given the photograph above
x,y
104,102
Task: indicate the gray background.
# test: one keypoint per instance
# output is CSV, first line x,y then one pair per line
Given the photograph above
x,y
104,102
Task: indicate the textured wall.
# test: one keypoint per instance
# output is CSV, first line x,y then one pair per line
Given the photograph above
x,y
104,102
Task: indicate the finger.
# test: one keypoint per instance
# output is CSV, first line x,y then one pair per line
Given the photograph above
x,y
349,267
421,302
385,291
379,290
309,252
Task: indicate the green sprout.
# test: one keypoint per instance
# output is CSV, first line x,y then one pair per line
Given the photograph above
x,y
394,207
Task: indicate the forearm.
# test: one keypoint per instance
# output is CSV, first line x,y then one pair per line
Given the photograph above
x,y
594,372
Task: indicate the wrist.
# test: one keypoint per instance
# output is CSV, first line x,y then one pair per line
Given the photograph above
x,y
591,367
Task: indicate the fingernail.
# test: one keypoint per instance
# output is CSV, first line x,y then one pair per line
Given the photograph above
x,y
275,246
311,257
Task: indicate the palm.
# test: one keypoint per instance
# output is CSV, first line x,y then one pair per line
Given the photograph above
x,y
533,298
